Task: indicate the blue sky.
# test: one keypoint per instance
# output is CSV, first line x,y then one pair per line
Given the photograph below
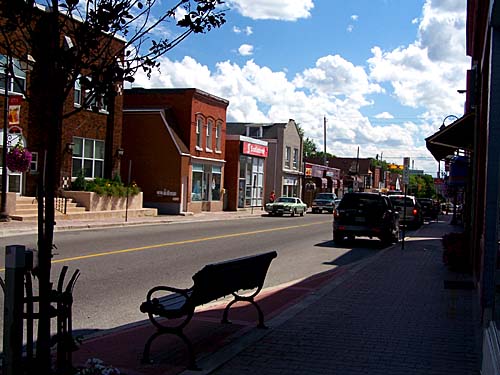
x,y
385,73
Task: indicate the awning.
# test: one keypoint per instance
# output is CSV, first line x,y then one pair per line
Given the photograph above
x,y
459,135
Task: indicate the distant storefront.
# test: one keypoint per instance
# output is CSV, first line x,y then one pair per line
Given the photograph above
x,y
245,172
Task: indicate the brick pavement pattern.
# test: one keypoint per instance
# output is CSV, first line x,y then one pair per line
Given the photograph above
x,y
392,317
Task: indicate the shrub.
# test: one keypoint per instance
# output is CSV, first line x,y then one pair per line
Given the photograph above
x,y
103,186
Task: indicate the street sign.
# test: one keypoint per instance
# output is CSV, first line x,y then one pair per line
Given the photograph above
x,y
406,176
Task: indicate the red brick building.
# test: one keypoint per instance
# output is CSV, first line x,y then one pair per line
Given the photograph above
x,y
174,141
83,137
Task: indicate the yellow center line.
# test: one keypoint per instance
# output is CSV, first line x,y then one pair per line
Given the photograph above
x,y
183,242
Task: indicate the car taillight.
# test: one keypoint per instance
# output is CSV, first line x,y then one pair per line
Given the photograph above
x,y
335,214
415,212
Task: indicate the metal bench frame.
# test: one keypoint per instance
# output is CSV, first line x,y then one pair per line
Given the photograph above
x,y
212,282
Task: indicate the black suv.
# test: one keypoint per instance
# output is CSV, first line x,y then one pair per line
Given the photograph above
x,y
323,202
366,214
430,208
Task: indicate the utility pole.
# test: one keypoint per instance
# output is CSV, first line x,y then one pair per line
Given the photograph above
x,y
324,140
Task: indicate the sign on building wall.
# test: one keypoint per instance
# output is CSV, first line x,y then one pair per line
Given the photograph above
x,y
254,149
15,110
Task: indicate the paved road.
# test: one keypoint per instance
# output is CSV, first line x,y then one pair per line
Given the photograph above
x,y
120,264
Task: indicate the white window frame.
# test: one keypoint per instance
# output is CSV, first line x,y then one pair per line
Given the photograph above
x,y
77,90
83,158
19,74
34,162
249,129
208,145
218,136
288,152
295,158
199,126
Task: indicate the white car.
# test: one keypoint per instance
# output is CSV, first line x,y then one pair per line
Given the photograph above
x,y
286,205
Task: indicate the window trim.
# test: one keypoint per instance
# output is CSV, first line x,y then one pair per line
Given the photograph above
x,y
82,158
199,126
288,152
218,136
208,140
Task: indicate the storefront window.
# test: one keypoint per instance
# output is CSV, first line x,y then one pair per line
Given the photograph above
x,y
216,179
251,187
196,189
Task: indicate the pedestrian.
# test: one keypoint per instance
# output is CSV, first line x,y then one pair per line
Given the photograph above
x,y
272,197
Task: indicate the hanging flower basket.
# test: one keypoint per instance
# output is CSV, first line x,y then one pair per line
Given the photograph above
x,y
18,159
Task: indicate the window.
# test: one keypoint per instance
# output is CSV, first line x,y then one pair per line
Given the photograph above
x,y
218,136
90,98
94,101
197,183
34,162
17,83
288,155
88,157
254,131
199,126
216,180
210,125
77,93
295,158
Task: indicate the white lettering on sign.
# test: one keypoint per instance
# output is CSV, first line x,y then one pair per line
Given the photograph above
x,y
166,193
254,149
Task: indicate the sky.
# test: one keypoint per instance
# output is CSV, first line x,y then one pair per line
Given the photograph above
x,y
383,73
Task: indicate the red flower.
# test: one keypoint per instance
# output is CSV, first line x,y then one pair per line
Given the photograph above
x,y
18,159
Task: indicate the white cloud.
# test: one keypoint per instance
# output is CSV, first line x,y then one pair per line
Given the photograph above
x,y
285,10
354,17
427,73
246,30
350,28
385,115
245,50
417,75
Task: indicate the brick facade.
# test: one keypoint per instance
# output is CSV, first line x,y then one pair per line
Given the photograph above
x,y
181,109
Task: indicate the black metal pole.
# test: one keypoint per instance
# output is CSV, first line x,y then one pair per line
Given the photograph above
x,y
3,209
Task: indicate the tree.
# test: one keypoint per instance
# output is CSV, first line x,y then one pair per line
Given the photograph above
x,y
73,41
309,148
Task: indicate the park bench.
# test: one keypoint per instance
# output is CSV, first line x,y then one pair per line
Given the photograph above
x,y
212,282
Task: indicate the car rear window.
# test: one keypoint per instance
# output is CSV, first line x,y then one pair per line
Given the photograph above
x,y
358,201
397,201
325,196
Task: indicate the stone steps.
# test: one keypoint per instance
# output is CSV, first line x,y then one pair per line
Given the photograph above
x,y
27,210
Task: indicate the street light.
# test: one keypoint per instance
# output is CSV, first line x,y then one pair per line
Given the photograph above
x,y
3,209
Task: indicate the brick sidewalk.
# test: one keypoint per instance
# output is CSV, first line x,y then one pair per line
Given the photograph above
x,y
392,316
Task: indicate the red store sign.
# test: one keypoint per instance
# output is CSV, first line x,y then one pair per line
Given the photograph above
x,y
254,149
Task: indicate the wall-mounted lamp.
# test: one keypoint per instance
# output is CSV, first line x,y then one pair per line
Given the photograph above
x,y
119,152
69,147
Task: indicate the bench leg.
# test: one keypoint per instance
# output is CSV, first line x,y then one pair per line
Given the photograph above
x,y
250,300
191,357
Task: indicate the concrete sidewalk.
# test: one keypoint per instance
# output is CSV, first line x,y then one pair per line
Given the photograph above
x,y
15,228
388,314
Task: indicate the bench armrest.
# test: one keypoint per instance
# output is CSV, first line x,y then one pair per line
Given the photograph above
x,y
184,292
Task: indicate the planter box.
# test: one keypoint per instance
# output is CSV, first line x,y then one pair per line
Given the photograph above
x,y
94,202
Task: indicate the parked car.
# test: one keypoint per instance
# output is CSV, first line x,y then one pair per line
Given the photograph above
x,y
412,216
430,208
286,205
323,202
365,214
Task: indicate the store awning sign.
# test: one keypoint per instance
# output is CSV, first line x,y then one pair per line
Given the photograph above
x,y
255,149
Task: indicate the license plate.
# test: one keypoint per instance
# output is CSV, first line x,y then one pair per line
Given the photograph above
x,y
359,219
